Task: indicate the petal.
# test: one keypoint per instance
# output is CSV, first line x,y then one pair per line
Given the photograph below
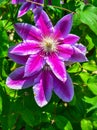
x,y
18,1
27,31
39,94
65,51
63,27
78,55
43,22
71,39
57,66
16,79
36,5
34,64
26,48
24,8
81,47
64,91
17,58
43,89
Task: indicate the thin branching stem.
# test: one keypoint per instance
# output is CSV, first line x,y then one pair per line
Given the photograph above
x,y
51,6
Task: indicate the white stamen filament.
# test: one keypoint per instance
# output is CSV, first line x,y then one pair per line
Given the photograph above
x,y
49,44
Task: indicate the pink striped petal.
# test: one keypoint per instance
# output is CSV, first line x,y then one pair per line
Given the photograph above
x,y
39,94
26,48
64,91
18,1
16,79
27,31
57,66
65,51
24,8
34,64
43,22
71,39
43,89
17,58
63,27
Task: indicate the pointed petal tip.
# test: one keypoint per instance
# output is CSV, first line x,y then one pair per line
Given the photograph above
x,y
86,59
64,79
12,86
39,96
65,91
69,16
19,15
42,104
69,99
63,26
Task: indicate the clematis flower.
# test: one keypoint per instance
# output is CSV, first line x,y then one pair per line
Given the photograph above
x,y
43,54
26,6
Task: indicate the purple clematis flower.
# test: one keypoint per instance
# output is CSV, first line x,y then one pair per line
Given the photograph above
x,y
26,6
43,54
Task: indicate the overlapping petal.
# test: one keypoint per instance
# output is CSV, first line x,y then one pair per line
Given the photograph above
x,y
71,39
81,47
43,89
26,48
65,51
64,91
78,54
17,58
34,64
24,8
57,66
37,5
16,79
63,26
27,31
18,1
43,22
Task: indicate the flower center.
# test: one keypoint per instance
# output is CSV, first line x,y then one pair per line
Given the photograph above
x,y
49,44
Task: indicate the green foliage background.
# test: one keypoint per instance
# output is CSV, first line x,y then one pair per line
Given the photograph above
x,y
18,110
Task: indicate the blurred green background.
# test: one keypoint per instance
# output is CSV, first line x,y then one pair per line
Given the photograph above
x,y
18,110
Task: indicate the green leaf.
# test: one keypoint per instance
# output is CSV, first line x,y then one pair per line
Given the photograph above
x,y
62,123
94,2
91,66
0,104
92,101
12,118
90,41
88,16
28,116
92,84
4,40
53,2
2,1
75,68
84,76
49,128
86,124
56,2
94,119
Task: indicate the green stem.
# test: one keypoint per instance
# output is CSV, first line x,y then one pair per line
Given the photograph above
x,y
52,6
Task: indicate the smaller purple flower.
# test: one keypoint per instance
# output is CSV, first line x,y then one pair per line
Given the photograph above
x,y
26,6
43,54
